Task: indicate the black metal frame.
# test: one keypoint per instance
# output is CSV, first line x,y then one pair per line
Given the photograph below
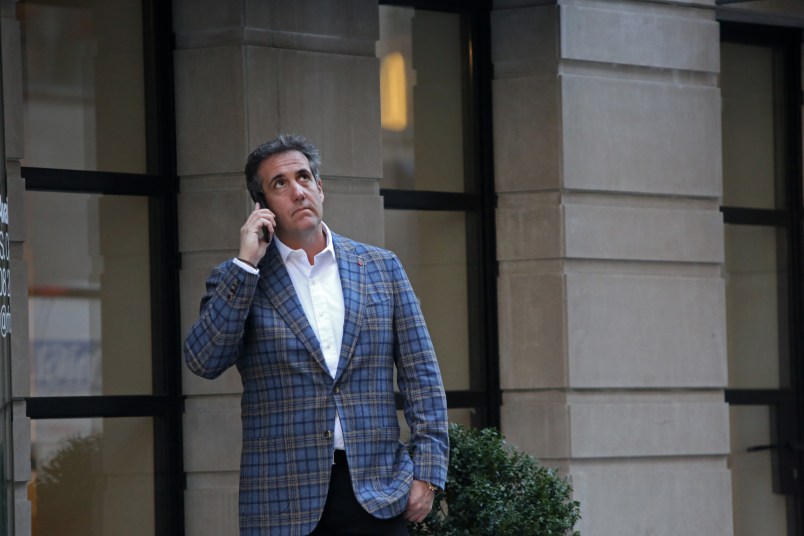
x,y
787,413
160,185
479,202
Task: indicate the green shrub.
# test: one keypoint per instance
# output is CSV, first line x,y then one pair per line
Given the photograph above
x,y
494,490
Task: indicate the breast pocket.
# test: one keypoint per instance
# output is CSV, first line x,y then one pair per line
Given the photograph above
x,y
378,323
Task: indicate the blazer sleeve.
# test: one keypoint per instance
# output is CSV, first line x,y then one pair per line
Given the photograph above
x,y
215,340
419,380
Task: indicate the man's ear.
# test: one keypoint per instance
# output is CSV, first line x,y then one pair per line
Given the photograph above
x,y
320,189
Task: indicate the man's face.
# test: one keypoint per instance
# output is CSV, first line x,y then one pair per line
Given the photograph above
x,y
293,195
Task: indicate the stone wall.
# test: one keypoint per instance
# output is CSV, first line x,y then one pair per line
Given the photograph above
x,y
610,242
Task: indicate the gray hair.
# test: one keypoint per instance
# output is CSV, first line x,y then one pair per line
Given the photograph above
x,y
282,144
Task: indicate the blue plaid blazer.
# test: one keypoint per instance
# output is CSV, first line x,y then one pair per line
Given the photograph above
x,y
289,398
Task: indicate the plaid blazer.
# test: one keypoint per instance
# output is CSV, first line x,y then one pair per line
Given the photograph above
x,y
289,397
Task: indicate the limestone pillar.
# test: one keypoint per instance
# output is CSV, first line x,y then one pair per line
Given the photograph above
x,y
246,70
610,242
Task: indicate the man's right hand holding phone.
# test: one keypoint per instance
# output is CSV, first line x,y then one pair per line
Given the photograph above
x,y
256,234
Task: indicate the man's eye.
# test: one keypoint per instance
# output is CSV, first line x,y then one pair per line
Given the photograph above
x,y
279,183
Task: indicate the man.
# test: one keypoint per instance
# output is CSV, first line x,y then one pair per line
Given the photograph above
x,y
316,324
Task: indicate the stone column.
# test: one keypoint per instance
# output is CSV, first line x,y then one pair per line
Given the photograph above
x,y
11,63
612,309
247,70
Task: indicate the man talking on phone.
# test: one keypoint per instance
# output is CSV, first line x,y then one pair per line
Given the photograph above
x,y
316,324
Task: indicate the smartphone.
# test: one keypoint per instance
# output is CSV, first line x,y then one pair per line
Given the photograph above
x,y
266,235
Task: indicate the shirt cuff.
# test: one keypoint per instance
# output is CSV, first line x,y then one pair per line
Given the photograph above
x,y
246,267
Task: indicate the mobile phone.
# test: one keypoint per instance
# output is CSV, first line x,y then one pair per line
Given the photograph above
x,y
266,235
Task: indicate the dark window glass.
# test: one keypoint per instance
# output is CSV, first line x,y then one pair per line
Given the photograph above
x,y
89,301
100,252
760,70
436,185
754,164
83,85
755,304
92,477
422,96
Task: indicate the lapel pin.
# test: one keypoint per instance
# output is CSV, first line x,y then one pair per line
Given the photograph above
x,y
360,263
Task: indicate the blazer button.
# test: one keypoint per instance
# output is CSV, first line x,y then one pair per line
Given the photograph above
x,y
328,434
337,389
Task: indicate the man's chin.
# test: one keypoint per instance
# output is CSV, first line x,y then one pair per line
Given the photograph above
x,y
300,226
304,212
305,218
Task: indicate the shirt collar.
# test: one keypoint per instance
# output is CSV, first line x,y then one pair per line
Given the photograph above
x,y
285,251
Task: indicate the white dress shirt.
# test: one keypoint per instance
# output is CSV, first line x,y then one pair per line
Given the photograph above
x,y
318,287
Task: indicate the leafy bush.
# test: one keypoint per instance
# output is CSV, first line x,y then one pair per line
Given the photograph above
x,y
492,489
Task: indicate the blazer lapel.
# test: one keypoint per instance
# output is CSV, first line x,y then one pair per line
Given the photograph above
x,y
352,271
275,282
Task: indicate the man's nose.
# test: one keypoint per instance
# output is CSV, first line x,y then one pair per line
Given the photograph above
x,y
296,190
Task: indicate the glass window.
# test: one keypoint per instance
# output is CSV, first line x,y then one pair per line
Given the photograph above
x,y
92,477
753,126
422,88
759,71
755,290
89,285
103,303
83,85
432,248
434,189
757,510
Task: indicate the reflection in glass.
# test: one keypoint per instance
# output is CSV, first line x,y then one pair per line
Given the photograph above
x,y
754,285
432,248
83,85
89,300
757,510
421,91
92,477
753,128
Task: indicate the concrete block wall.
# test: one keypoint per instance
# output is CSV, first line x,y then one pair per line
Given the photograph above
x,y
610,242
245,71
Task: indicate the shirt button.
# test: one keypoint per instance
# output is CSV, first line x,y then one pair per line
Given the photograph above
x,y
328,434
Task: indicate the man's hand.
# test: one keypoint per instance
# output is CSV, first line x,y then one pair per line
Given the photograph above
x,y
253,243
420,502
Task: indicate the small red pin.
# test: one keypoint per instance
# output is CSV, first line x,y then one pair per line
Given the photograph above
x,y
360,263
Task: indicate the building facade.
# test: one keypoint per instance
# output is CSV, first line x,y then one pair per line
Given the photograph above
x,y
599,204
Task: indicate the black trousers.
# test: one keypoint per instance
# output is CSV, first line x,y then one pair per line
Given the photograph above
x,y
343,515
